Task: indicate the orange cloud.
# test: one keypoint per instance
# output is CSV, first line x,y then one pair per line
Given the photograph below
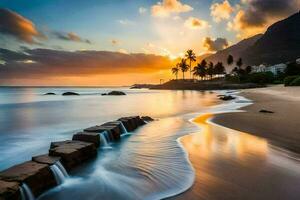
x,y
40,64
221,11
257,15
195,23
215,45
167,7
18,26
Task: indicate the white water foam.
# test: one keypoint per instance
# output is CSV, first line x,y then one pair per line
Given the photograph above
x,y
26,193
59,172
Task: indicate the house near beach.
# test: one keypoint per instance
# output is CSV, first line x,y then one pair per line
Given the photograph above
x,y
275,69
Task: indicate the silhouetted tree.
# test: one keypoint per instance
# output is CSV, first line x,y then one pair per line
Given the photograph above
x,y
200,69
239,63
248,69
230,60
219,68
210,69
183,67
175,71
191,56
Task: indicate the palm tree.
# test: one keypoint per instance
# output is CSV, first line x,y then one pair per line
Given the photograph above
x,y
183,67
219,68
191,56
210,69
200,70
230,60
239,63
175,71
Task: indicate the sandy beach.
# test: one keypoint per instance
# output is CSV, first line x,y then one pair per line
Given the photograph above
x,y
241,161
280,127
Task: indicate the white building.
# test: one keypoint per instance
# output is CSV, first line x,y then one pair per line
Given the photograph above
x,y
275,69
260,68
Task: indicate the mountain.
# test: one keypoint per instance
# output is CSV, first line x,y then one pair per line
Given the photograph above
x,y
234,50
280,43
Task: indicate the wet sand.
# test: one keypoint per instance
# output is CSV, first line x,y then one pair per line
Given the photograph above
x,y
282,127
231,165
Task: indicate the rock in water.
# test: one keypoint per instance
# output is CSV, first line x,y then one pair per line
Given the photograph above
x,y
50,93
70,94
265,111
116,93
226,97
147,118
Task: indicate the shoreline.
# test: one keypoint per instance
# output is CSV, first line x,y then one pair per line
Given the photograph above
x,y
210,184
281,128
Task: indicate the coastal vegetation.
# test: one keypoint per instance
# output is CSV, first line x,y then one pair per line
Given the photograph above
x,y
208,72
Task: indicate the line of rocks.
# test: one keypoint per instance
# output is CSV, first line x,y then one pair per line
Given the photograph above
x,y
71,153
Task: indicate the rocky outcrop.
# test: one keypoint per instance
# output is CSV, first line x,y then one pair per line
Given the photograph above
x,y
37,173
114,93
70,94
131,123
265,111
113,129
30,173
147,119
46,159
72,153
88,137
226,97
50,93
9,190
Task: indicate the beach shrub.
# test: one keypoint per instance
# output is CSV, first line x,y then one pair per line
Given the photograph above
x,y
292,69
232,79
289,79
261,77
295,82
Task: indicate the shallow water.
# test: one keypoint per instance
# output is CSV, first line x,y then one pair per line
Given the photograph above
x,y
149,163
29,121
230,164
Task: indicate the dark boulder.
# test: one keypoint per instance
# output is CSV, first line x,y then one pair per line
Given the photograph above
x,y
9,190
50,93
113,129
70,94
226,97
30,173
116,93
131,123
147,118
265,111
46,159
88,137
72,152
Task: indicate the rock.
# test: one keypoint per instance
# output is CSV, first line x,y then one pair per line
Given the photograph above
x,y
103,94
70,94
9,190
265,111
31,173
113,129
116,93
128,123
50,93
131,123
72,152
88,137
226,97
147,118
46,159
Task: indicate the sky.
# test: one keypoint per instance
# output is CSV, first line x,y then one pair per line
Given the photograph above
x,y
120,42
